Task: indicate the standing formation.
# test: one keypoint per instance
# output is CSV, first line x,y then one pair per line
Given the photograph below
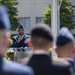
x,y
42,40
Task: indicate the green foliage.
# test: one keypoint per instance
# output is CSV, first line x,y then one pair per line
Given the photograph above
x,y
9,55
66,15
12,11
47,16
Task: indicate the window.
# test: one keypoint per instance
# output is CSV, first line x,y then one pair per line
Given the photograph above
x,y
39,19
26,22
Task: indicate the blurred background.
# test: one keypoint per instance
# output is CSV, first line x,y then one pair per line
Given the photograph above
x,y
30,12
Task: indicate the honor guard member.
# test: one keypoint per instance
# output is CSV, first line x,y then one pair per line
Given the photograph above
x,y
6,67
20,40
65,45
40,61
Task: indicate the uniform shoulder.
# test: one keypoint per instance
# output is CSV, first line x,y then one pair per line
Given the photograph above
x,y
28,36
63,66
63,61
17,68
60,62
15,36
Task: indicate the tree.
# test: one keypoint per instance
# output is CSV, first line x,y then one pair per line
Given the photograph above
x,y
66,15
12,11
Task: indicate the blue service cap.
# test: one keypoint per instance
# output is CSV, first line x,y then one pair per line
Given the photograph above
x,y
4,18
20,26
64,37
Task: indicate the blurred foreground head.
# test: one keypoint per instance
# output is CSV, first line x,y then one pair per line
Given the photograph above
x,y
65,43
4,29
42,38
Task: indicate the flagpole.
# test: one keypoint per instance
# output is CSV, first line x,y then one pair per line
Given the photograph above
x,y
54,21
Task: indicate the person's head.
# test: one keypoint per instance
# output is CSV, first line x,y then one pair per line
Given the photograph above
x,y
42,38
20,30
4,29
65,43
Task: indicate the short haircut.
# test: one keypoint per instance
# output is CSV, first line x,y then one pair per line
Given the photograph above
x,y
39,42
65,47
43,31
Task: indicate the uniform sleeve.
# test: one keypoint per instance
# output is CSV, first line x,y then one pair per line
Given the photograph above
x,y
69,71
66,69
14,43
10,68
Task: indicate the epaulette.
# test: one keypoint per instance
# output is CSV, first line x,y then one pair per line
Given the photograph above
x,y
61,60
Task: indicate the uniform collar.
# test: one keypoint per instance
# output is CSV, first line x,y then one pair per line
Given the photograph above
x,y
22,35
38,52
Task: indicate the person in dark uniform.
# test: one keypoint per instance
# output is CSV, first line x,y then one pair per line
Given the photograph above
x,y
40,61
65,45
20,40
6,67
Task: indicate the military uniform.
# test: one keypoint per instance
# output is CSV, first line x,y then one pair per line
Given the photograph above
x,y
40,61
64,37
6,67
71,61
9,68
42,64
22,43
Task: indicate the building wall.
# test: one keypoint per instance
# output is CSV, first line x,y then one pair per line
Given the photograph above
x,y
73,3
31,12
